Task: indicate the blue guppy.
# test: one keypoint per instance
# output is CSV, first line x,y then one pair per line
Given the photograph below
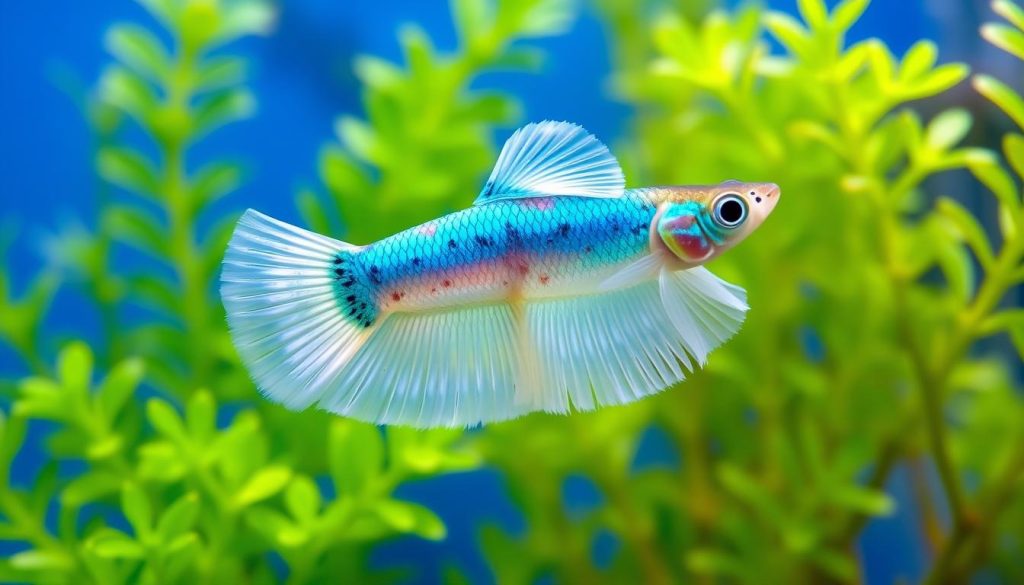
x,y
557,290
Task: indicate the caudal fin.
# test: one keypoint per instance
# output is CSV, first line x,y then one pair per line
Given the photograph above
x,y
294,320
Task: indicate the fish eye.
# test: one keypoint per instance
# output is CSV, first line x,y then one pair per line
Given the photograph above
x,y
730,210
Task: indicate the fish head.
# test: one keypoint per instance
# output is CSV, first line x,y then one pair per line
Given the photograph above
x,y
696,224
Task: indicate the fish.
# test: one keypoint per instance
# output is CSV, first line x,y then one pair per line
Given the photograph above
x,y
558,290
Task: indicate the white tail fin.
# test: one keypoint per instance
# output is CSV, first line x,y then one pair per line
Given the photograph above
x,y
279,290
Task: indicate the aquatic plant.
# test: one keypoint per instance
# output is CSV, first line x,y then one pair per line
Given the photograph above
x,y
173,486
862,353
868,348
426,142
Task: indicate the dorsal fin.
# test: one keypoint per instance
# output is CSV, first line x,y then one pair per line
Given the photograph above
x,y
550,159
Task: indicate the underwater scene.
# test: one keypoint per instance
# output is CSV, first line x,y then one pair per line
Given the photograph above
x,y
838,398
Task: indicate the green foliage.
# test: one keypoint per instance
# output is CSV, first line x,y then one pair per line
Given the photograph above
x,y
201,498
872,295
425,146
892,285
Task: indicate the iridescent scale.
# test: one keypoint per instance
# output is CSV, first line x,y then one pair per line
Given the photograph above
x,y
519,248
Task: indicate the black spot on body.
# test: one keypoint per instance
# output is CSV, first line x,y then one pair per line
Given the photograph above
x,y
563,229
339,271
416,261
337,260
483,241
452,244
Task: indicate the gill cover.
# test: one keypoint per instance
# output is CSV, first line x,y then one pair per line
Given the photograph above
x,y
683,228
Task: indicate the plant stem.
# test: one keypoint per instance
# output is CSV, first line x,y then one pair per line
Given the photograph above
x,y
182,243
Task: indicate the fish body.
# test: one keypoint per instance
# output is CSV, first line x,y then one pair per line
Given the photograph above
x,y
513,249
558,289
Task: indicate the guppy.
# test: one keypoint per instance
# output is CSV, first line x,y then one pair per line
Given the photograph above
x,y
559,289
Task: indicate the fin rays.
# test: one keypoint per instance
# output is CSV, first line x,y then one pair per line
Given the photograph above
x,y
553,159
466,366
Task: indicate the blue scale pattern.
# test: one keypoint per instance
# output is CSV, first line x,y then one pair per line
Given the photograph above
x,y
567,235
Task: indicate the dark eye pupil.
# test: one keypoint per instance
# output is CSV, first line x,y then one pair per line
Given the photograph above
x,y
731,211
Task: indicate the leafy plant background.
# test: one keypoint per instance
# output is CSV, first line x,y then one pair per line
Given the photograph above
x,y
867,424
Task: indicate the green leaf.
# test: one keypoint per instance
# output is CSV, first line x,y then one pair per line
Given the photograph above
x,y
165,419
178,518
997,180
490,108
253,17
864,500
470,17
113,544
41,560
276,527
214,181
356,452
1009,11
201,416
941,79
137,48
707,561
967,229
128,169
813,12
545,18
406,517
74,369
358,137
919,60
948,129
223,107
377,73
220,72
1003,321
89,487
529,59
788,31
104,446
1008,39
166,11
42,398
739,483
155,291
1001,95
12,434
302,499
160,461
848,12
119,385
955,263
126,91
136,507
267,482
1013,146
136,227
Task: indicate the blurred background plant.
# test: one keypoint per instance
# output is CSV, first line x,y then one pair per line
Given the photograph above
x,y
885,340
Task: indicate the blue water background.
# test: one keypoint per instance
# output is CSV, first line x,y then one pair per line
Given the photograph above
x,y
303,80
